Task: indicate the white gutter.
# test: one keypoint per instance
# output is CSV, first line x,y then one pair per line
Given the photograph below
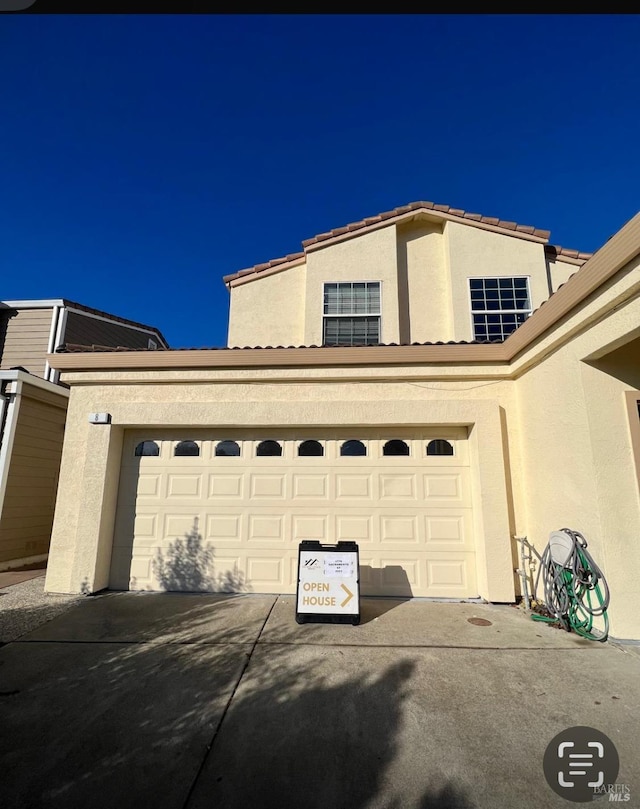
x,y
44,304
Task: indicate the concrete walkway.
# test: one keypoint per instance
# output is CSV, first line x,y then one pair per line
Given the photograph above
x,y
176,701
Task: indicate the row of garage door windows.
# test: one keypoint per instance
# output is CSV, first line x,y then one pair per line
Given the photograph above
x,y
307,449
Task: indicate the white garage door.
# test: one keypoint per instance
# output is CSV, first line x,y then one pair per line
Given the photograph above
x,y
205,510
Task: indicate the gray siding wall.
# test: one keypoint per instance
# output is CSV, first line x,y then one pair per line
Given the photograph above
x,y
26,339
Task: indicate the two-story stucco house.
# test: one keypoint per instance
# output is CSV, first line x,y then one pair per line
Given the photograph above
x,y
33,408
427,382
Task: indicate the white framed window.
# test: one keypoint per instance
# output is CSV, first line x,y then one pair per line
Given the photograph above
x,y
351,313
498,306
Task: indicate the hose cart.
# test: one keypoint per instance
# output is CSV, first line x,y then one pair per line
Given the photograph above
x,y
576,594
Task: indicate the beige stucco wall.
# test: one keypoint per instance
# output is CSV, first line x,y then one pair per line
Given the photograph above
x,y
476,253
269,310
370,257
83,526
577,461
560,272
421,258
423,268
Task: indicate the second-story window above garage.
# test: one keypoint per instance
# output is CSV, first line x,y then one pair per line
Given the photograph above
x,y
351,314
498,306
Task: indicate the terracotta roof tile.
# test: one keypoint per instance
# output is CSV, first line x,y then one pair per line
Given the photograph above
x,y
72,348
506,225
557,250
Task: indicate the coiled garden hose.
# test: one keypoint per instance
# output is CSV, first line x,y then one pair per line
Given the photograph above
x,y
576,593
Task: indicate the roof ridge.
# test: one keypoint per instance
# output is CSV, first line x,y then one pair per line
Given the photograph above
x,y
402,210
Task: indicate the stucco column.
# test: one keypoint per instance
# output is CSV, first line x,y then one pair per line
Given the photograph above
x,y
83,524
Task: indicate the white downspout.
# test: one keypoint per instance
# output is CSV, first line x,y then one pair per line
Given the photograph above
x,y
48,372
59,339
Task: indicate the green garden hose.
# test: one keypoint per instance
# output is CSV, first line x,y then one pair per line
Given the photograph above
x,y
575,590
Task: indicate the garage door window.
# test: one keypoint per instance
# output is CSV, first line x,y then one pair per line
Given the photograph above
x,y
310,449
266,448
395,447
439,447
227,449
147,448
187,449
353,447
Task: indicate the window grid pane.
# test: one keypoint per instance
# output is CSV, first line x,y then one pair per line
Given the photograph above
x,y
351,331
354,309
499,306
352,298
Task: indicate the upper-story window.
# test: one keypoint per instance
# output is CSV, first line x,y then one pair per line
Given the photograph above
x,y
498,306
351,314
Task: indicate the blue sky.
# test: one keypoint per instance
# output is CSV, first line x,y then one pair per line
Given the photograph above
x,y
144,157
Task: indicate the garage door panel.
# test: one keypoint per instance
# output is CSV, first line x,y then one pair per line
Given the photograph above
x,y
145,526
410,515
309,486
181,524
392,487
225,486
310,526
266,527
223,528
448,531
149,486
354,528
183,486
399,529
267,572
267,486
451,487
449,575
353,486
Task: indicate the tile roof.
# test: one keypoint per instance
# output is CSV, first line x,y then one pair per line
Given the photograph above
x,y
125,321
565,252
403,211
74,348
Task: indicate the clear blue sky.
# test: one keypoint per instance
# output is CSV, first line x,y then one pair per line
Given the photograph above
x,y
144,157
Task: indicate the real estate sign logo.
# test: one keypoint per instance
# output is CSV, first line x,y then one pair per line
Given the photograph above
x,y
582,764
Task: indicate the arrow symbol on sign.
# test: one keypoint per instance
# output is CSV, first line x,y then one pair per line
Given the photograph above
x,y
349,595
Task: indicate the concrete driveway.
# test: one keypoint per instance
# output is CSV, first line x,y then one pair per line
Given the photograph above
x,y
224,702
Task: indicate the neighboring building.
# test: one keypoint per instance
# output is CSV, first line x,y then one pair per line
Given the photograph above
x,y
398,406
33,411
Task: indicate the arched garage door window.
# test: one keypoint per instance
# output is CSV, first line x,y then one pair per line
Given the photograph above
x,y
268,448
147,448
187,449
439,447
227,448
353,447
395,447
310,448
